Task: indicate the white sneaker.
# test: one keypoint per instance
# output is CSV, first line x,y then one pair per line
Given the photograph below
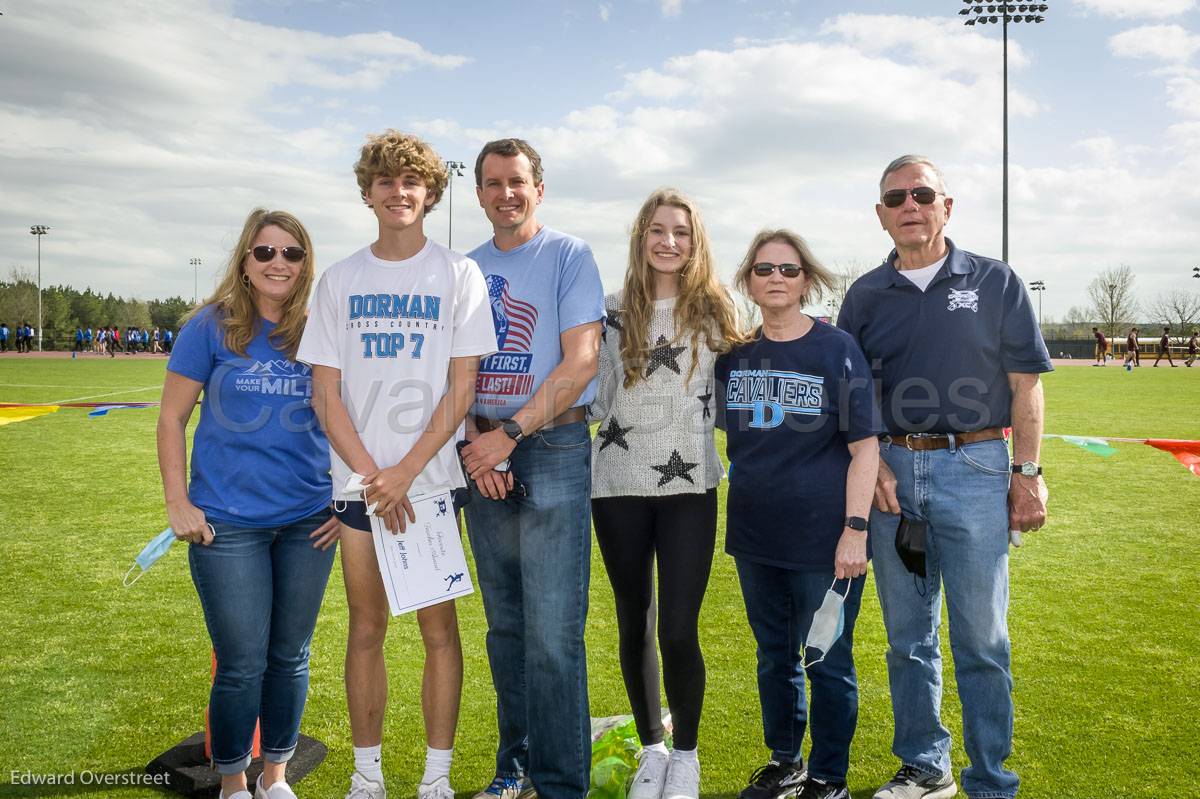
x,y
650,775
278,790
438,789
236,795
683,779
912,783
363,788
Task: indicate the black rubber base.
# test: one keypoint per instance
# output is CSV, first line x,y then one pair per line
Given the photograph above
x,y
189,773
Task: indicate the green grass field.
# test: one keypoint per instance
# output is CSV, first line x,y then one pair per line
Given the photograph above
x,y
1105,618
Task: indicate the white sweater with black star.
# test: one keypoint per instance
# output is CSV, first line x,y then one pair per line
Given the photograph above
x,y
656,438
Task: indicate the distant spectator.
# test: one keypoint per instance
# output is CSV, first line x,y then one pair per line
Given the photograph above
x,y
1101,348
78,339
1164,348
4,337
157,339
1191,353
168,340
87,339
114,341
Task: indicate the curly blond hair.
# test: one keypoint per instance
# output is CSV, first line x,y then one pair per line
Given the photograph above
x,y
391,153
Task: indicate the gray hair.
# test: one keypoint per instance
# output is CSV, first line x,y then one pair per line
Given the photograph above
x,y
910,160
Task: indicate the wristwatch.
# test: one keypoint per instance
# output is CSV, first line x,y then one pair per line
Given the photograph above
x,y
1027,469
856,523
512,430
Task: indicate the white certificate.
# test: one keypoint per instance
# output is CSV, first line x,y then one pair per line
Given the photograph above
x,y
425,564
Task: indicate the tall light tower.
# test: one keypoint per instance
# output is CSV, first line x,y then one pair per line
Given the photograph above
x,y
1196,271
455,168
1039,287
195,265
39,231
1001,13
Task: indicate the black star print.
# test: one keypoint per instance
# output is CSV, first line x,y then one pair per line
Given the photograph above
x,y
705,398
675,467
613,319
664,354
615,434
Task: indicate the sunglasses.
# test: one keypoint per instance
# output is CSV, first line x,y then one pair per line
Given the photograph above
x,y
894,198
263,253
787,270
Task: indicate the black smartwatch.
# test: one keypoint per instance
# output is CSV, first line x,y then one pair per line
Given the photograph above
x,y
512,430
856,523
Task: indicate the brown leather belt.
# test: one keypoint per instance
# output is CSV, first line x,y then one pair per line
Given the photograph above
x,y
926,441
569,416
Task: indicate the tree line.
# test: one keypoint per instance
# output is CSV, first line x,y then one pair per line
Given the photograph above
x,y
64,308
1114,306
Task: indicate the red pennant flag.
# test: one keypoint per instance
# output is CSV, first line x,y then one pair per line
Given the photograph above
x,y
1186,452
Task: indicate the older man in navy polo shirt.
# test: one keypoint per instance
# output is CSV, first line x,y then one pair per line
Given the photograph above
x,y
953,341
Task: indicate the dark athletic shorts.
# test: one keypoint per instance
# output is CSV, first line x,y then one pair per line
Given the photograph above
x,y
353,513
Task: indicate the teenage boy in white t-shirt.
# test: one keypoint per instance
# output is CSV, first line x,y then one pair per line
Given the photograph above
x,y
394,338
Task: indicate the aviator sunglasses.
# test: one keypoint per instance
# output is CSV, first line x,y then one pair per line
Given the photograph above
x,y
263,253
894,198
787,270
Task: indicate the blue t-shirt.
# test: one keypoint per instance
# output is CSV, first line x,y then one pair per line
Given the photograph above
x,y
789,409
259,457
547,285
943,355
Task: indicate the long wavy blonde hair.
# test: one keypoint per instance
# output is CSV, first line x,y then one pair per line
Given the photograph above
x,y
703,308
234,298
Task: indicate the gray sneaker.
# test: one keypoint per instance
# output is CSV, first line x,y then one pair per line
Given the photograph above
x,y
648,780
912,783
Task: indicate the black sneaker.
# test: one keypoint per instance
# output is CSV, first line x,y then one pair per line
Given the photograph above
x,y
814,788
912,783
774,780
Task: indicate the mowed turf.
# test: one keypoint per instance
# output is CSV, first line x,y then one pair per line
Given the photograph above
x,y
1105,619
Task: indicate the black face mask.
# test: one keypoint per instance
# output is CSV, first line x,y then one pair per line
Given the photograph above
x,y
910,544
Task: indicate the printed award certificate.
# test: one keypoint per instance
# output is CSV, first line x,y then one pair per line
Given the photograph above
x,y
425,564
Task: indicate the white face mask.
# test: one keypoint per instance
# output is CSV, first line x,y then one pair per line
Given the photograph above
x,y
353,491
827,624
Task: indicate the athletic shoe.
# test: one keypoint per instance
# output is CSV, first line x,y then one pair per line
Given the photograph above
x,y
912,783
651,773
363,788
683,778
774,780
438,789
814,788
278,790
508,788
236,795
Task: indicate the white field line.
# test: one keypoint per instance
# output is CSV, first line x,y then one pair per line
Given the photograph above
x,y
97,396
48,385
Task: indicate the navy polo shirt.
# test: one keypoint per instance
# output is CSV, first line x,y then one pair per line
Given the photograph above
x,y
941,357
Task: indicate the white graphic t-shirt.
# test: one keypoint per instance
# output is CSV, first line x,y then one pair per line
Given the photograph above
x,y
392,327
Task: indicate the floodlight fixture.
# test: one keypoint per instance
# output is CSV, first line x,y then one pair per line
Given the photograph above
x,y
1002,14
455,169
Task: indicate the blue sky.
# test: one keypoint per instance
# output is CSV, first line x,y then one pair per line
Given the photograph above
x,y
143,133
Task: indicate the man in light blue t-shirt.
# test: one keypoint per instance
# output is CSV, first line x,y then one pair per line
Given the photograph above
x,y
529,520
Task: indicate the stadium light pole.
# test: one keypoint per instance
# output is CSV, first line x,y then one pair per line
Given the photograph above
x,y
195,265
39,231
985,13
454,168
1196,271
1039,287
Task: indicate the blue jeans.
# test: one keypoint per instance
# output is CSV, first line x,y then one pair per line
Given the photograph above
x,y
780,604
963,494
533,558
261,590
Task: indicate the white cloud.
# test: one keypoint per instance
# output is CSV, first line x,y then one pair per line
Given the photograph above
x,y
1148,9
605,11
1165,42
671,8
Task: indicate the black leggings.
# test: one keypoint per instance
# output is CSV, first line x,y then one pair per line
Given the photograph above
x,y
681,532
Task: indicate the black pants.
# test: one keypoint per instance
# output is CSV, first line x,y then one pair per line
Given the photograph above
x,y
680,532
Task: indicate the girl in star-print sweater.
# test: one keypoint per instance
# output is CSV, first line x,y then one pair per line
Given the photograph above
x,y
655,470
